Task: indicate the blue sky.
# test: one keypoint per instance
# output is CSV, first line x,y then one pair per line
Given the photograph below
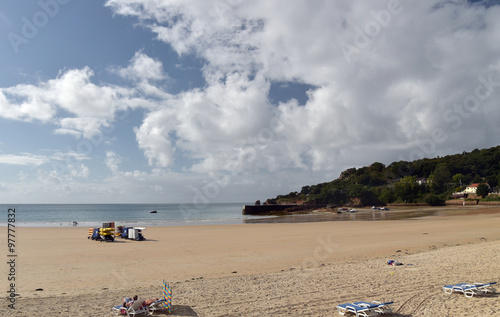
x,y
232,101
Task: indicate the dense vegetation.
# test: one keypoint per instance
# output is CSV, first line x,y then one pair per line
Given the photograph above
x,y
430,181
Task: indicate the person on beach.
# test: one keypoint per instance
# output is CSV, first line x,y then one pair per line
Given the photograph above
x,y
149,301
127,301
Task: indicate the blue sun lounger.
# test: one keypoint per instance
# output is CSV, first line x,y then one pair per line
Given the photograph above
x,y
470,289
365,309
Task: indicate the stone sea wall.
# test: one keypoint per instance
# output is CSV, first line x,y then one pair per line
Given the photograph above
x,y
274,209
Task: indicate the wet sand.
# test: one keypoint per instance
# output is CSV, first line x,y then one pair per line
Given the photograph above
x,y
368,214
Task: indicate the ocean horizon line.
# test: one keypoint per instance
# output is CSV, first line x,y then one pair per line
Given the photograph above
x,y
91,214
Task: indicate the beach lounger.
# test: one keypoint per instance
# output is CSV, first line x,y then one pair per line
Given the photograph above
x,y
156,306
135,309
365,309
470,289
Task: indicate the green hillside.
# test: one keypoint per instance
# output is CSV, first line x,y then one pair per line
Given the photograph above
x,y
430,181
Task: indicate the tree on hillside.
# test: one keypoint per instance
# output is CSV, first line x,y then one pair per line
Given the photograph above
x,y
377,180
363,179
492,180
434,200
305,190
387,196
401,168
439,178
482,190
406,189
354,190
458,178
477,179
377,166
368,198
334,196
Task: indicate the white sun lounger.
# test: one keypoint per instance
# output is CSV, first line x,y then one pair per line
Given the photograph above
x,y
156,306
365,309
470,289
135,309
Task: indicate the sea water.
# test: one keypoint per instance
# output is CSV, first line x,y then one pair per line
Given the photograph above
x,y
89,215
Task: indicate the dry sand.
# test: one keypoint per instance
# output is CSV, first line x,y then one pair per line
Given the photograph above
x,y
279,269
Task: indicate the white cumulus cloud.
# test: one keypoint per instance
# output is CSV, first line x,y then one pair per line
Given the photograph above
x,y
385,77
78,106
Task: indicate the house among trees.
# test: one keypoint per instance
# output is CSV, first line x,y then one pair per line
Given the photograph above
x,y
421,181
472,188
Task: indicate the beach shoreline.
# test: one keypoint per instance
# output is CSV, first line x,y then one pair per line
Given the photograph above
x,y
225,258
369,214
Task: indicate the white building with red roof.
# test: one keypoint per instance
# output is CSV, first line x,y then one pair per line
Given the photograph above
x,y
472,188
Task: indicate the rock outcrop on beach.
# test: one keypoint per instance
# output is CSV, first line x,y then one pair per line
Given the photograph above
x,y
271,202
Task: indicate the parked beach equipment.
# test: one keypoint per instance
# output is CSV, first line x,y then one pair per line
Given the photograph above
x,y
102,234
132,233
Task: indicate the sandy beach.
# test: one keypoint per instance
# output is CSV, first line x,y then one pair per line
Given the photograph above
x,y
263,269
